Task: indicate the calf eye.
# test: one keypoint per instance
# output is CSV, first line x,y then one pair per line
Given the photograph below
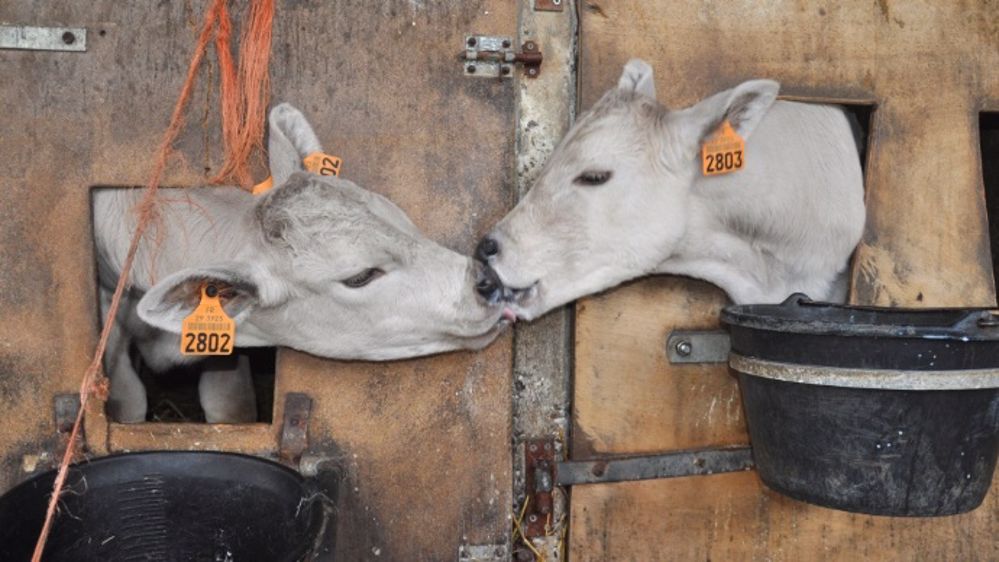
x,y
363,278
592,178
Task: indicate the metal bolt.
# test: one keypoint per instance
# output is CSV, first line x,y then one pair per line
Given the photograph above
x,y
533,447
504,70
529,46
470,69
548,446
532,71
506,43
532,518
683,348
471,42
68,38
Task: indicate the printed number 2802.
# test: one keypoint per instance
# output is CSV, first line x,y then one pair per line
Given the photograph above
x,y
210,343
724,161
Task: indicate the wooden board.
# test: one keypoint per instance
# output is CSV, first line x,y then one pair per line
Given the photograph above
x,y
926,245
425,443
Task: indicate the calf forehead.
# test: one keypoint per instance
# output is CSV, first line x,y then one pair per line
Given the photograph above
x,y
309,213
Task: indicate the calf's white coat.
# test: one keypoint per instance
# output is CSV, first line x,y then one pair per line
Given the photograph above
x,y
787,222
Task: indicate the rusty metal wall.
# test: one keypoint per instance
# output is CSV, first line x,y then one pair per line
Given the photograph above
x,y
425,443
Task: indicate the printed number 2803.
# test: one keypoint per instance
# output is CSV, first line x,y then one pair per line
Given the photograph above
x,y
724,161
207,343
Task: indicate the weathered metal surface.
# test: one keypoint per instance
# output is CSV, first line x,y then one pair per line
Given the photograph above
x,y
542,349
698,346
484,553
369,77
926,245
701,462
34,38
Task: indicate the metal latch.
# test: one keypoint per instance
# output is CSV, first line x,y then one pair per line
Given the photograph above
x,y
492,56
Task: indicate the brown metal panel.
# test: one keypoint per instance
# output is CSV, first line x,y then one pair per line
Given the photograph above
x,y
425,442
926,244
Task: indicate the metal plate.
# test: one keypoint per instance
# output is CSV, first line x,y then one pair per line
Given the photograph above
x,y
670,465
698,346
31,38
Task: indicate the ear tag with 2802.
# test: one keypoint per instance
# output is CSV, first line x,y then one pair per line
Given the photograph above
x,y
208,330
724,152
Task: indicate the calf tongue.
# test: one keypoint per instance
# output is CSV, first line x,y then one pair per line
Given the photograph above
x,y
509,314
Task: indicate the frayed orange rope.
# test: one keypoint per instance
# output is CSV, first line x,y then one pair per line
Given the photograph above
x,y
244,93
92,382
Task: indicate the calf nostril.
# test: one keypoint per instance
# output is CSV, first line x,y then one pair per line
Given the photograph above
x,y
487,248
488,284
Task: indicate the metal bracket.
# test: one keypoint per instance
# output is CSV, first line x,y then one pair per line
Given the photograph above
x,y
295,429
66,407
492,56
539,475
698,346
669,465
483,553
32,38
549,5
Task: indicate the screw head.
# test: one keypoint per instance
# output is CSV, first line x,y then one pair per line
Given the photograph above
x,y
470,69
529,46
532,518
683,348
533,447
506,43
504,70
471,42
532,71
68,38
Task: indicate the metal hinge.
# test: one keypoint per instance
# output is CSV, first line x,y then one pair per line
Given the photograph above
x,y
492,56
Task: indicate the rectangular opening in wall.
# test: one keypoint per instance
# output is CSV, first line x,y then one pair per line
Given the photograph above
x,y
988,128
150,380
861,116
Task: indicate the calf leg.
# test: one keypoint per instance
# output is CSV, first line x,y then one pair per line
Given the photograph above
x,y
226,390
127,398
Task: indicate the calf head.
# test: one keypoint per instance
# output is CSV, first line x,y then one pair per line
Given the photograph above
x,y
612,201
337,271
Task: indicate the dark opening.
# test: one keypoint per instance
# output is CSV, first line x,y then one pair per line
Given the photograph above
x,y
172,395
988,127
860,121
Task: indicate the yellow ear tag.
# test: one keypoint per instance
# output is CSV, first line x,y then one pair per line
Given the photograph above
x,y
208,330
724,152
317,163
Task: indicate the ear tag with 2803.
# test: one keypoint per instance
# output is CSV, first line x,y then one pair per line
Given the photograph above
x,y
724,152
208,330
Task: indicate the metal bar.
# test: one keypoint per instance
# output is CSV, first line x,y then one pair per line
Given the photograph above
x,y
32,38
670,465
698,346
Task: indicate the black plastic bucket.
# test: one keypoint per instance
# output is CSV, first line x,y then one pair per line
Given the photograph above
x,y
872,410
167,506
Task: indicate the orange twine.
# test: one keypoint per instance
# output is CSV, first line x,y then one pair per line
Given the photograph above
x,y
239,141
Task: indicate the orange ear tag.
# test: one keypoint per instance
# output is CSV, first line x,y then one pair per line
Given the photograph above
x,y
724,152
208,330
317,163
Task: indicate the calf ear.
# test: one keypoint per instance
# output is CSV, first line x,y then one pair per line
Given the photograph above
x,y
743,106
637,77
291,139
241,288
